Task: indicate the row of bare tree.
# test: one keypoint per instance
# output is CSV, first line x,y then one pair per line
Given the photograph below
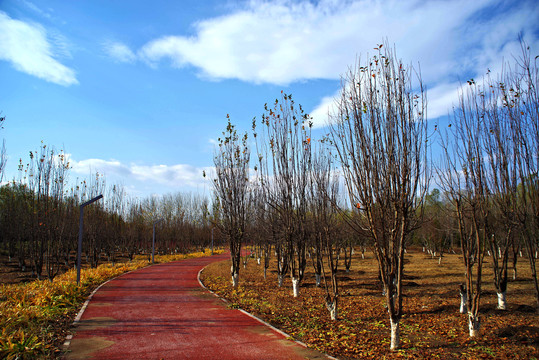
x,y
489,173
367,180
39,217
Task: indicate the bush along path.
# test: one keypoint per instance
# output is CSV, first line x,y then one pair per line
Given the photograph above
x,y
162,312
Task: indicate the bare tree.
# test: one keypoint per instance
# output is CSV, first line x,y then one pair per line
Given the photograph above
x,y
231,186
285,142
379,132
503,181
521,102
324,199
464,177
263,226
3,158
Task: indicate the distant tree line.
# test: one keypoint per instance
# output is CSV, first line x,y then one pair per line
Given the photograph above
x,y
39,218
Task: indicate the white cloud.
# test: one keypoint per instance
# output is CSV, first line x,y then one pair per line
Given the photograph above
x,y
119,52
441,98
174,176
281,42
326,107
27,47
101,166
285,41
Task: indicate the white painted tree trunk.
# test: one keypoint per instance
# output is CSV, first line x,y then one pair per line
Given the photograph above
x,y
395,334
318,279
280,280
439,260
514,273
295,287
235,278
258,260
474,323
463,301
332,308
353,251
502,301
347,269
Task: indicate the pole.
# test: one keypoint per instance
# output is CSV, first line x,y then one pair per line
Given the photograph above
x,y
81,225
153,240
212,241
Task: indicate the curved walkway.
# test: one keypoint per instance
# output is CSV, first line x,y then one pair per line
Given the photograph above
x,y
161,312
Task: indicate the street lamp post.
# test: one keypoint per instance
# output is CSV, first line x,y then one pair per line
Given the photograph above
x,y
153,241
81,219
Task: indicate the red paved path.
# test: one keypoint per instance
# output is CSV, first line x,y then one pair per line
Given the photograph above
x,y
161,312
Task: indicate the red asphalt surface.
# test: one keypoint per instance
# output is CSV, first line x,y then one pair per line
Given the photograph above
x,y
162,312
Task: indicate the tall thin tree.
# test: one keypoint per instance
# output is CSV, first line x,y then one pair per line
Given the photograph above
x,y
379,132
231,186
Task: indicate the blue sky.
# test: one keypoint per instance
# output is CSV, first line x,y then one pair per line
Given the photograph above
x,y
140,90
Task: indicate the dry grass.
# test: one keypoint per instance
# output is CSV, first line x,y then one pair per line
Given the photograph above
x,y
432,327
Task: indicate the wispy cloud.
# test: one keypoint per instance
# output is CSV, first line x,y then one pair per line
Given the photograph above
x,y
36,9
29,50
119,52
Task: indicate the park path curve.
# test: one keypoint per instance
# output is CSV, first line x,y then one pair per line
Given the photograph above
x,y
162,312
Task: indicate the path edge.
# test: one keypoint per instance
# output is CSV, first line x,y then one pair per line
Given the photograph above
x,y
69,337
279,331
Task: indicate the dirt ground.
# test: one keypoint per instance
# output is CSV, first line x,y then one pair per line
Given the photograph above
x,y
432,326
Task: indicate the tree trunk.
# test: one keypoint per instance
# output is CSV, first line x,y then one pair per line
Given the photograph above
x,y
463,300
295,287
395,334
502,302
280,280
474,323
318,279
332,308
235,278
